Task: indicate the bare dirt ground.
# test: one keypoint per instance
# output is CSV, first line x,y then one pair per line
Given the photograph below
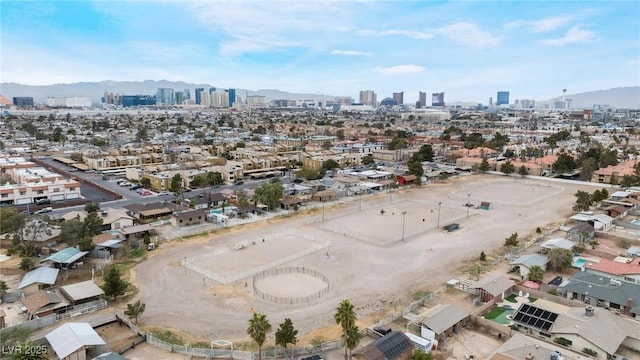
x,y
373,260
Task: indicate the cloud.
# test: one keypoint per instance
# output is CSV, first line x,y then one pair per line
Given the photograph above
x,y
464,33
469,34
400,69
350,53
542,25
575,35
395,32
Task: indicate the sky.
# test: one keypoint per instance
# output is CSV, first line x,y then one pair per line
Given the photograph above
x,y
467,49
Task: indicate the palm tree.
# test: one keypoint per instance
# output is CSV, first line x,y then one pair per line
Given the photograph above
x,y
258,329
345,316
351,338
536,273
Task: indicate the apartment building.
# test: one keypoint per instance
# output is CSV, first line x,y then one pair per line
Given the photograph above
x,y
614,172
27,193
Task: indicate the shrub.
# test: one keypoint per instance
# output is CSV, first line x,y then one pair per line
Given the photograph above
x,y
562,341
590,352
623,243
167,336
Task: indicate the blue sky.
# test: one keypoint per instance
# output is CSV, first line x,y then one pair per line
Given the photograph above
x,y
467,49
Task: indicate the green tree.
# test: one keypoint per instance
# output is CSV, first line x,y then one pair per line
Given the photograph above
x,y
176,185
368,160
308,174
258,329
145,183
11,221
425,153
507,168
483,256
351,338
583,201
589,166
92,207
135,310
559,259
3,288
214,178
286,334
345,316
269,193
511,241
241,195
415,167
484,165
564,163
421,355
473,141
536,273
114,285
397,144
522,171
26,236
26,263
330,164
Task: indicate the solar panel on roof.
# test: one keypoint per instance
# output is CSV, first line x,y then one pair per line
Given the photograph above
x,y
518,316
553,317
547,326
535,317
539,312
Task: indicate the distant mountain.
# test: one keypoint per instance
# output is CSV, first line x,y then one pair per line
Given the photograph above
x,y
95,90
621,97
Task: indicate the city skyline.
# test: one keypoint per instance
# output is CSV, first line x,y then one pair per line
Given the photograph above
x,y
532,50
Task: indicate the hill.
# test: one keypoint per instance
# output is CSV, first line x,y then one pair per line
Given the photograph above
x,y
95,90
621,97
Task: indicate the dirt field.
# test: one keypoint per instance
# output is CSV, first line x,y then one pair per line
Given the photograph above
x,y
374,260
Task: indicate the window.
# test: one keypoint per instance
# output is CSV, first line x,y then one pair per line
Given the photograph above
x,y
23,193
72,189
56,190
5,195
40,191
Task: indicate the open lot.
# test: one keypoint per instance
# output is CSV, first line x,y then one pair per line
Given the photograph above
x,y
362,253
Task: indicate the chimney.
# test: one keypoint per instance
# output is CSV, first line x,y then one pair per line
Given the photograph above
x,y
627,309
588,311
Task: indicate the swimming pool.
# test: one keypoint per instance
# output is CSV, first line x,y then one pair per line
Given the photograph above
x,y
579,263
635,222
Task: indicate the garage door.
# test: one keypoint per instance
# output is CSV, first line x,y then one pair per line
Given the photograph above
x,y
73,196
57,197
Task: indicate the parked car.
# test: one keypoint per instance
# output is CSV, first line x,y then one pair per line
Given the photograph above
x,y
45,210
135,187
162,193
382,331
43,202
146,193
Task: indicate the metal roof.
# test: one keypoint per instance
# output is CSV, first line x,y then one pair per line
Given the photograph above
x,y
41,275
530,260
82,290
63,255
71,337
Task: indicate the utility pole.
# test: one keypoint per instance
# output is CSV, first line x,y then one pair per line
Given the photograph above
x,y
404,213
439,205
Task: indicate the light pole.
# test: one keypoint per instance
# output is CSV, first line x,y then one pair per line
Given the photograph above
x,y
323,211
439,205
404,213
185,266
468,204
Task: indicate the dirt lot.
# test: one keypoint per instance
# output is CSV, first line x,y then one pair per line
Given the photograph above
x,y
374,260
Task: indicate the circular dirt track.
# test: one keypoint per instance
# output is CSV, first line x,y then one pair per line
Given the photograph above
x,y
290,285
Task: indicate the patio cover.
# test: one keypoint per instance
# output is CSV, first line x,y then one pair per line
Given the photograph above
x,y
71,337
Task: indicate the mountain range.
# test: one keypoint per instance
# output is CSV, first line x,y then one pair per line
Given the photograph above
x,y
620,97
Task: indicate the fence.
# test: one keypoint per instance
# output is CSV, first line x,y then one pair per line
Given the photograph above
x,y
54,318
291,300
411,307
211,353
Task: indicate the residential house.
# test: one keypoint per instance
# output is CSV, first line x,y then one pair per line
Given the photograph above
x,y
621,268
190,217
44,302
526,262
393,346
445,320
495,287
578,328
82,292
602,291
38,279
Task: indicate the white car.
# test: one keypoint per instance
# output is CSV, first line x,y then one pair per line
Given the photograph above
x,y
161,193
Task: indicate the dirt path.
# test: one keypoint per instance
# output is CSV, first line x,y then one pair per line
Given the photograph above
x,y
359,267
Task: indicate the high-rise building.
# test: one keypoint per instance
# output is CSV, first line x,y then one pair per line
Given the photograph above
x,y
399,98
368,97
232,97
165,96
138,100
437,99
179,97
212,89
219,98
502,98
422,99
23,101
199,92
490,101
187,94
